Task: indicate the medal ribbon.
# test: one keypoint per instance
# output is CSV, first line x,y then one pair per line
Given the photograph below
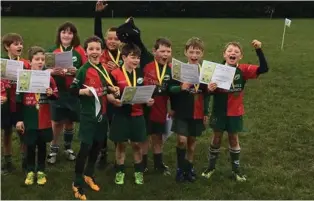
x,y
116,61
61,48
105,75
197,86
37,97
127,77
160,77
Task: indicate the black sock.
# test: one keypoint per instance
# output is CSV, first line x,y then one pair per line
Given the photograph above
x,y
181,158
235,162
68,138
157,160
144,161
120,168
138,167
213,153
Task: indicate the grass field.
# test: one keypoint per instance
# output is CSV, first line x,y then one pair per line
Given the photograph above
x,y
277,148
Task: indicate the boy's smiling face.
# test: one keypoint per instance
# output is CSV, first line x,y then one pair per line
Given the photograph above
x,y
194,55
112,41
232,55
94,51
15,49
131,61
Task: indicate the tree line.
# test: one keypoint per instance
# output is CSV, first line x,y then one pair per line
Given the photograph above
x,y
190,9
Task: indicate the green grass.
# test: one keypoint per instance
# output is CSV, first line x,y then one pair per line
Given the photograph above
x,y
277,150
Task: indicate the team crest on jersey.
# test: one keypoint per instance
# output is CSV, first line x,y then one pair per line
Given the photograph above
x,y
167,77
74,59
140,80
237,76
120,62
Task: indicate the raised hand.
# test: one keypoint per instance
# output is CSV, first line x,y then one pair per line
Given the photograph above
x,y
101,5
256,44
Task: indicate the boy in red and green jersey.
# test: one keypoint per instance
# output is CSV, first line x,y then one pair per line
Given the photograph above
x,y
157,71
190,104
65,110
13,46
110,59
34,121
131,116
93,127
228,107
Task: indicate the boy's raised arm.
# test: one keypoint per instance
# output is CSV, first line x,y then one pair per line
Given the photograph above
x,y
100,6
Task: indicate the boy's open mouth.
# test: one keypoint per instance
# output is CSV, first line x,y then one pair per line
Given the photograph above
x,y
232,58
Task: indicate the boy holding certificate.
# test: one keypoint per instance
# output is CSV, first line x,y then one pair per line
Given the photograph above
x,y
13,46
91,85
34,121
157,72
128,123
110,59
228,107
191,107
65,110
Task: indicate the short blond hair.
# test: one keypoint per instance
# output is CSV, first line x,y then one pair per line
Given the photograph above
x,y
196,43
234,43
34,50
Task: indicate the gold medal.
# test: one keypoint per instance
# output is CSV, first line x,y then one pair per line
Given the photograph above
x,y
127,77
115,60
37,97
160,77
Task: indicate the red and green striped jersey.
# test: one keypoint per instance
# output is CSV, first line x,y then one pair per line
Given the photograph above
x,y
158,111
79,58
187,105
36,113
90,76
5,86
230,102
12,87
105,57
118,79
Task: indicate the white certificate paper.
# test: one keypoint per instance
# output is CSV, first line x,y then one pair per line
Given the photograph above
x,y
97,103
60,59
207,71
223,76
189,73
217,73
33,81
137,95
9,68
184,72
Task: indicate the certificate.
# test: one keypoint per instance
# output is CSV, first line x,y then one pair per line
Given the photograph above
x,y
97,103
33,81
61,59
137,95
207,71
9,68
217,73
184,72
176,69
190,73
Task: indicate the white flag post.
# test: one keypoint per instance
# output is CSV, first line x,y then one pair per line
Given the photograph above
x,y
287,24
